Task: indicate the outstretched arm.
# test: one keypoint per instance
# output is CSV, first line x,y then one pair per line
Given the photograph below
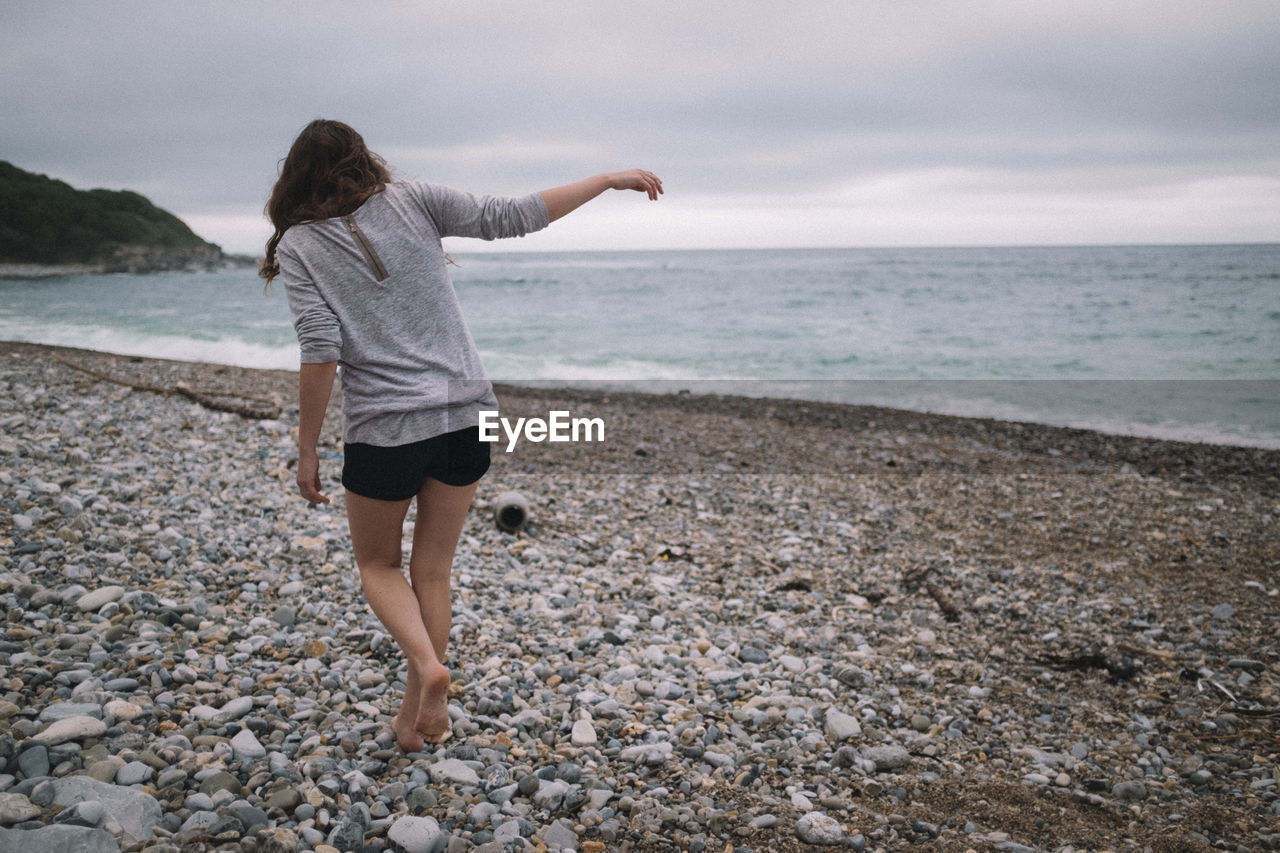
x,y
565,199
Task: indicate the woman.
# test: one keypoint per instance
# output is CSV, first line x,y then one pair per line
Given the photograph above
x,y
365,277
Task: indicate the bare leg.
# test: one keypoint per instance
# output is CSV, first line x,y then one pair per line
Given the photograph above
x,y
442,510
376,534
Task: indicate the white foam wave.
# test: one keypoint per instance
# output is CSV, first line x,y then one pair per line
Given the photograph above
x,y
230,351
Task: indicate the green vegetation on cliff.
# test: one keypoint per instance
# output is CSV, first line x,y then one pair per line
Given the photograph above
x,y
45,221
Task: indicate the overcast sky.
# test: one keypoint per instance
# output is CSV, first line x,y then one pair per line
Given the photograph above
x,y
772,124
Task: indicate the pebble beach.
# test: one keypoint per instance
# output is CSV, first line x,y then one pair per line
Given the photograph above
x,y
732,625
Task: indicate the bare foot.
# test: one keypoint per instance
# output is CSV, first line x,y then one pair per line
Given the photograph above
x,y
433,706
406,736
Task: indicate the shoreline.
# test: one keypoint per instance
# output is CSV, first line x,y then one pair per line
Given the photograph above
x,y
142,266
723,389
734,621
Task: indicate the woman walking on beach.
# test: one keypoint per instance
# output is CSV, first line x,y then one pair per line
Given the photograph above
x,y
364,272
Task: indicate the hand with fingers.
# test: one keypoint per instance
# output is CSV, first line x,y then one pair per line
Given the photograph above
x,y
639,180
309,478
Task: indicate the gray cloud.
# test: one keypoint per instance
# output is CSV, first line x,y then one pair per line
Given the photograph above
x,y
742,107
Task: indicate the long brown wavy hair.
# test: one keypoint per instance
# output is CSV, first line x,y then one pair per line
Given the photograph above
x,y
329,172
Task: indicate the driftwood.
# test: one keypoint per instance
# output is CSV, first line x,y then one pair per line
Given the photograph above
x,y
244,405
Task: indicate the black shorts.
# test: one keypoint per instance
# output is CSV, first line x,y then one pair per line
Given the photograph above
x,y
398,473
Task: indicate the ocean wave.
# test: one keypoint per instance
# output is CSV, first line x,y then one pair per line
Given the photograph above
x,y
215,350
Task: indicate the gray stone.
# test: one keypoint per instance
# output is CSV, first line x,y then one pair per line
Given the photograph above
x,y
234,709
72,728
66,710
134,773
92,601
584,733
246,746
58,839
550,794
220,781
199,802
88,813
15,808
1129,791
842,726
278,840
648,753
251,816
818,828
452,771
34,761
887,757
200,822
418,835
347,836
560,836
136,811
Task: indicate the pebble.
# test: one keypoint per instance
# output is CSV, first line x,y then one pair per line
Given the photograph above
x,y
16,808
71,729
246,746
452,771
134,773
94,601
418,835
583,734
818,828
207,669
885,758
841,726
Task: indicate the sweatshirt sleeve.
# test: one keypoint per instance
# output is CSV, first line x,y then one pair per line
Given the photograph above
x,y
461,214
317,326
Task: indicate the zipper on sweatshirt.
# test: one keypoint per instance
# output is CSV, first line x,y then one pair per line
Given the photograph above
x,y
366,248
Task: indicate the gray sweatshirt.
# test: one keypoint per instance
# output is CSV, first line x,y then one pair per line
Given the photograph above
x,y
373,293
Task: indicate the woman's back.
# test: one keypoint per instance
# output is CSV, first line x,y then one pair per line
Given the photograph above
x,y
374,294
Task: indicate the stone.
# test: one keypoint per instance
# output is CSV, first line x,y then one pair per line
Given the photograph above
x,y
121,711
93,601
418,835
105,770
34,761
87,813
453,771
887,757
199,823
220,781
15,808
560,836
347,836
246,746
818,828
1129,791
136,811
278,840
550,794
134,773
234,709
648,753
67,710
72,728
583,734
286,799
842,726
58,839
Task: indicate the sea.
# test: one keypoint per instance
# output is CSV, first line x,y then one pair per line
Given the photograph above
x,y
1177,342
